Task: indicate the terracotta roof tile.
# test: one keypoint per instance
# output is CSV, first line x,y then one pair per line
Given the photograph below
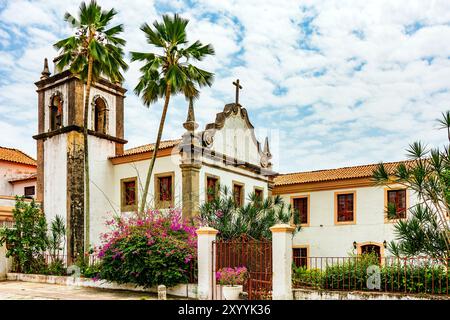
x,y
150,147
362,171
17,156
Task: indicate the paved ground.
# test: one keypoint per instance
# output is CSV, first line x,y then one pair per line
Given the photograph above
x,y
18,290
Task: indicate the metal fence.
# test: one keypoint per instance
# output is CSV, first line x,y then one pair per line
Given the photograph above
x,y
255,255
416,275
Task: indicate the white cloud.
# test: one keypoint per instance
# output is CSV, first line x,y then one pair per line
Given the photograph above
x,y
356,80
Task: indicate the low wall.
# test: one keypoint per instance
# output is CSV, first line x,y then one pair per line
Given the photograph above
x,y
5,263
181,290
307,294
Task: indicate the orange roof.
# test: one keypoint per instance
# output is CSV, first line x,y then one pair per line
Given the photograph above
x,y
150,147
17,156
362,171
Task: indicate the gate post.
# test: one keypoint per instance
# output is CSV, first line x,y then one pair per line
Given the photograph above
x,y
205,238
4,262
282,261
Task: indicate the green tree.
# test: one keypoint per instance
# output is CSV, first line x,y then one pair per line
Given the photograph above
x,y
56,238
252,220
94,51
27,240
427,174
169,71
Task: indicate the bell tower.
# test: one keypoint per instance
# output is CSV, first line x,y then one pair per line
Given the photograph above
x,y
60,150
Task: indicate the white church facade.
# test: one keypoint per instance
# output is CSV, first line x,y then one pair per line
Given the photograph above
x,y
341,210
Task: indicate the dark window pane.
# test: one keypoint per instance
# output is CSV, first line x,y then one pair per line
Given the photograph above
x,y
301,208
165,188
345,207
29,191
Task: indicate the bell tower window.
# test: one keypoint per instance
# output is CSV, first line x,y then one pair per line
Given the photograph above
x,y
56,113
100,115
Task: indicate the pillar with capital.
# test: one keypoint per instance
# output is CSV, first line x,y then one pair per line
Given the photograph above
x,y
191,164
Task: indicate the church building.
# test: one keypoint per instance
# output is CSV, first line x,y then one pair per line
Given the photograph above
x,y
225,152
341,210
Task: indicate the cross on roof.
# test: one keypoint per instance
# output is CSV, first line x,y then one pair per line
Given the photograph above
x,y
238,86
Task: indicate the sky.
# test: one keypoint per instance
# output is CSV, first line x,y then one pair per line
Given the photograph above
x,y
332,83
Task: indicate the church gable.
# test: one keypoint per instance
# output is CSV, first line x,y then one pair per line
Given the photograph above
x,y
232,135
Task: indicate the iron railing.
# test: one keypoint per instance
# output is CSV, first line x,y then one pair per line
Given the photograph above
x,y
418,275
255,255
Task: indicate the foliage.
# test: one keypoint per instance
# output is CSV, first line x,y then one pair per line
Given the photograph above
x,y
396,275
231,276
95,40
27,241
252,220
56,238
426,231
147,251
87,269
169,71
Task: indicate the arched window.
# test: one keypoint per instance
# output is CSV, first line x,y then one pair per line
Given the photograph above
x,y
100,115
56,112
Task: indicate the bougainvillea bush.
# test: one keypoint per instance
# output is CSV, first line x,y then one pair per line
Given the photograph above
x,y
231,276
147,251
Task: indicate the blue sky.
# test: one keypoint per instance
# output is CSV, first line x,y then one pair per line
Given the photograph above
x,y
332,83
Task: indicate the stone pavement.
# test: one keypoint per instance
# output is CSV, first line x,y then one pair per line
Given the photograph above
x,y
18,290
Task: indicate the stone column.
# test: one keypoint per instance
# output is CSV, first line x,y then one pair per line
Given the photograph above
x,y
206,260
190,173
282,261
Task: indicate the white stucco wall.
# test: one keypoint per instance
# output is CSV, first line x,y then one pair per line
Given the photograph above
x,y
19,187
102,203
139,169
55,176
325,239
235,140
226,179
10,170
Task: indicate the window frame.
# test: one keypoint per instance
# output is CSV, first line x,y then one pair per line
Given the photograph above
x,y
208,175
360,245
29,195
242,195
302,246
127,207
308,207
164,204
336,207
255,188
386,201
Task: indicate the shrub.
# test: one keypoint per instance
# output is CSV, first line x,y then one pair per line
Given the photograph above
x,y
231,276
147,251
27,240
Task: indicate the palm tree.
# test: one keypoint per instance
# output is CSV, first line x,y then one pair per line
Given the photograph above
x,y
169,71
94,51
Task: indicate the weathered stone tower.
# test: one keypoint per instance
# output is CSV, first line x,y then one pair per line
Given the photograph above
x,y
60,150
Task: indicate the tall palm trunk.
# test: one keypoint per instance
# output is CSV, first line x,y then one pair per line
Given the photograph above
x,y
86,156
155,150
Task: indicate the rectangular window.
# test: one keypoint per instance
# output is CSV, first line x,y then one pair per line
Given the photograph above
x,y
212,188
164,190
259,193
398,198
300,256
345,207
238,194
129,194
29,191
301,209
